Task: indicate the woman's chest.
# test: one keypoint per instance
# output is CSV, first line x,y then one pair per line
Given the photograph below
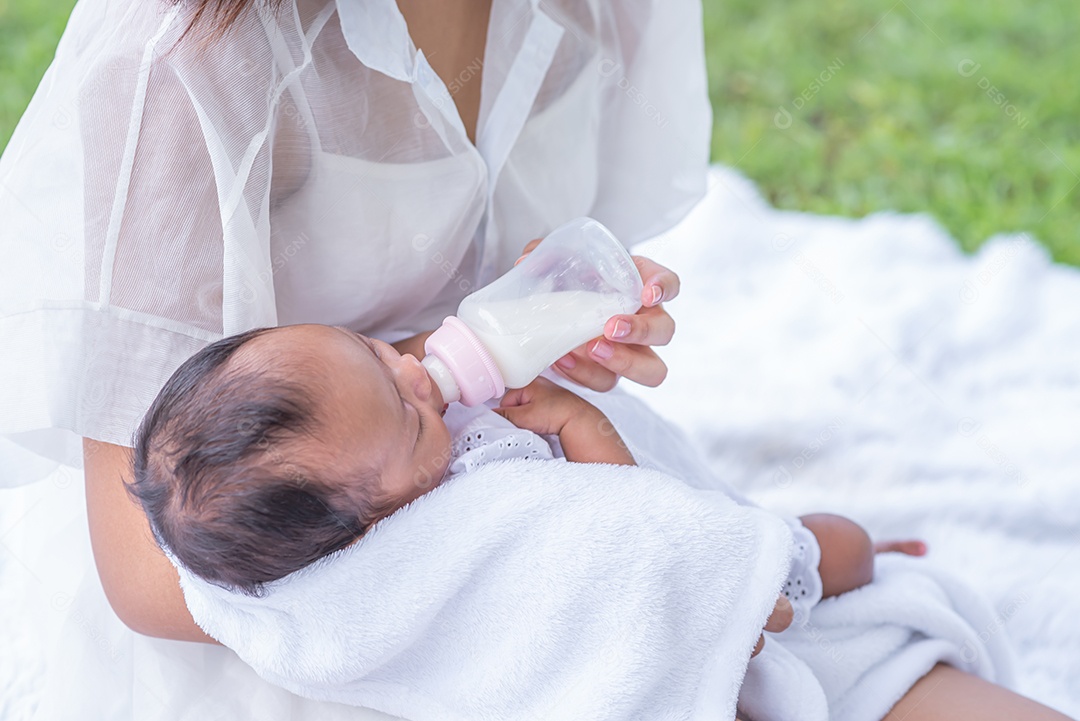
x,y
366,245
380,211
452,34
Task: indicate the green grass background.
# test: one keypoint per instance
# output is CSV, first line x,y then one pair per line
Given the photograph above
x,y
969,111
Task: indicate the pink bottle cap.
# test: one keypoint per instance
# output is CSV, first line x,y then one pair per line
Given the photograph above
x,y
470,364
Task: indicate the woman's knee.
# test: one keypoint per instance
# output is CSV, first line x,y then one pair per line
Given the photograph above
x,y
946,693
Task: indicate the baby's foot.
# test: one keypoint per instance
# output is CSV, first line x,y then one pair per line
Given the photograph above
x,y
911,548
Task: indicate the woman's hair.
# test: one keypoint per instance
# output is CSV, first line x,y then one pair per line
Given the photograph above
x,y
213,18
216,473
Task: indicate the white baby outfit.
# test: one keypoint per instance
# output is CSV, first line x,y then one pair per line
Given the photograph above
x,y
803,587
479,436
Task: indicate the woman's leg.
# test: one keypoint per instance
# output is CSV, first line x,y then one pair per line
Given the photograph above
x,y
943,694
947,694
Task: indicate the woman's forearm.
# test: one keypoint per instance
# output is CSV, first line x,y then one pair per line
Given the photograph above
x,y
413,346
141,584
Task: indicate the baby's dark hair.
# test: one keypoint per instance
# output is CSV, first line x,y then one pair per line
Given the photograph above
x,y
223,492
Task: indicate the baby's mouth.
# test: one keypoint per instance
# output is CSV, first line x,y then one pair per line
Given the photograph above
x,y
436,398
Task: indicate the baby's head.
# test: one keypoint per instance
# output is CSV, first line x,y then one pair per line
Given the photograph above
x,y
268,450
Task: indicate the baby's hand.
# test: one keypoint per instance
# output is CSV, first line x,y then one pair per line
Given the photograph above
x,y
586,435
780,618
543,407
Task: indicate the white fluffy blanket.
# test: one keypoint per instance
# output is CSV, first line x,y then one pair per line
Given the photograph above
x,y
865,367
870,368
539,589
524,590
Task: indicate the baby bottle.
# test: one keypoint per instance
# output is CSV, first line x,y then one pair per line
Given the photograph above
x,y
505,334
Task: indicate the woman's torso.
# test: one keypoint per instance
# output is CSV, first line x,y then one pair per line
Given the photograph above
x,y
380,203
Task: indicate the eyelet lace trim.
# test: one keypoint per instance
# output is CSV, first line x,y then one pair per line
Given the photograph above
x,y
474,448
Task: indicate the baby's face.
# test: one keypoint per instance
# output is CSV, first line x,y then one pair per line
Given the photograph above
x,y
378,410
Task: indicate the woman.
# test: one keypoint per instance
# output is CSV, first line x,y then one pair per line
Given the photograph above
x,y
188,172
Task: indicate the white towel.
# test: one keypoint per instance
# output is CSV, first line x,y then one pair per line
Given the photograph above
x,y
869,646
865,648
524,590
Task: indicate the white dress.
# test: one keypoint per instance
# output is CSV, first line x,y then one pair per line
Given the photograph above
x,y
310,166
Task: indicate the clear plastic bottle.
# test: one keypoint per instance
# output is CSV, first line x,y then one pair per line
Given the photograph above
x,y
505,334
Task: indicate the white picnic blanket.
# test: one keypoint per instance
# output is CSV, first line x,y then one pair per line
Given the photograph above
x,y
863,367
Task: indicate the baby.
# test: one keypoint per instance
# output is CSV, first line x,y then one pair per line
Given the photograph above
x,y
270,449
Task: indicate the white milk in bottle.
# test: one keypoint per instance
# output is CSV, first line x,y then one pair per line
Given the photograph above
x,y
523,348
506,333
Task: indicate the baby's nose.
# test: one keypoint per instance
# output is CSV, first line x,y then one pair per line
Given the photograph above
x,y
415,377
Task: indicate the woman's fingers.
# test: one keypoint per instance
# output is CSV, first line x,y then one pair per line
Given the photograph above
x,y
911,548
649,326
639,363
660,283
599,364
529,247
584,371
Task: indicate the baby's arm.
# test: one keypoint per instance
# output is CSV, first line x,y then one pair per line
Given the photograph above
x,y
585,433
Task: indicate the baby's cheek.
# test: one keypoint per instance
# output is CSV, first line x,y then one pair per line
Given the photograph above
x,y
430,470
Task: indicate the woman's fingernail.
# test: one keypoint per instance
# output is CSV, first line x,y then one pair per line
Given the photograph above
x,y
621,329
657,294
603,350
567,362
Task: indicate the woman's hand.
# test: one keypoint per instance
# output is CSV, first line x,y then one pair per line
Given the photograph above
x,y
625,349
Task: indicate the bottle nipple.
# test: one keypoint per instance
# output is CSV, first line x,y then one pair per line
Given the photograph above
x,y
443,378
461,366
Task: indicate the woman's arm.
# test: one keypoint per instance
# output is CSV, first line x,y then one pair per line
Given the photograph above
x,y
413,346
141,584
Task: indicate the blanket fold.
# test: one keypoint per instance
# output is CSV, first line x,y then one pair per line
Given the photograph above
x,y
524,590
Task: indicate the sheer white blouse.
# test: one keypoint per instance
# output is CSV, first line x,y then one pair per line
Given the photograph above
x,y
309,167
